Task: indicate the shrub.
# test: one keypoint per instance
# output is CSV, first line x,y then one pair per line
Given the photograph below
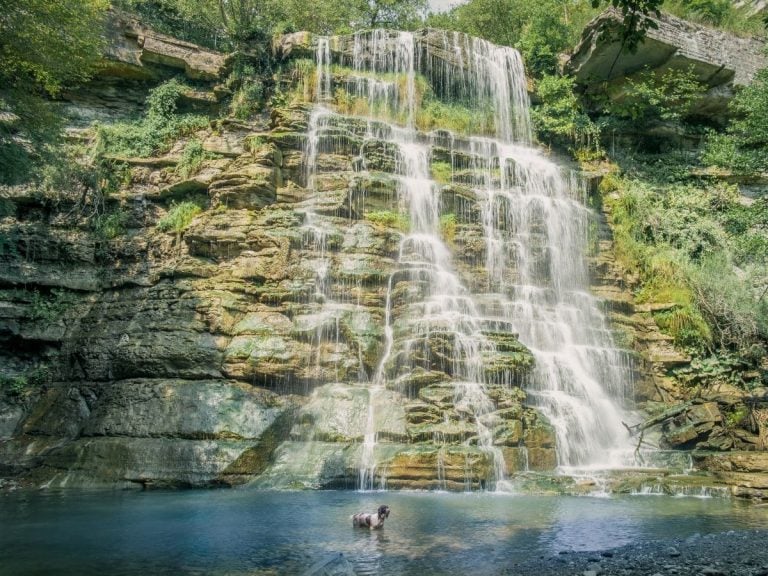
x,y
14,385
110,226
155,131
686,242
744,148
179,217
441,171
49,308
653,97
192,158
559,119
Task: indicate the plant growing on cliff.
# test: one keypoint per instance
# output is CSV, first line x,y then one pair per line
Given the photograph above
x,y
653,97
559,118
156,130
390,219
192,158
49,308
179,217
686,243
45,46
744,147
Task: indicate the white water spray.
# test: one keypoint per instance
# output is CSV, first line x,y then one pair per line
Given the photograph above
x,y
535,229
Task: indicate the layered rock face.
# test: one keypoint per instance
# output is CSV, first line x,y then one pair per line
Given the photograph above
x,y
719,60
246,348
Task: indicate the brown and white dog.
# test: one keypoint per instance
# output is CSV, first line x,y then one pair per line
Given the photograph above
x,y
372,521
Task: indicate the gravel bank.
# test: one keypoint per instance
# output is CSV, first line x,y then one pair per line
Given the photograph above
x,y
743,553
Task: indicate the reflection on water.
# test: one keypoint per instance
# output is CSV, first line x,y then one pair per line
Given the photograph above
x,y
244,532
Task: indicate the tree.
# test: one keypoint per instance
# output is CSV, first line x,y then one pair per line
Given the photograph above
x,y
635,22
49,43
540,30
45,46
393,13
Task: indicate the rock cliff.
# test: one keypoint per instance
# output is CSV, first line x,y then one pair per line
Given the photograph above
x,y
720,61
211,356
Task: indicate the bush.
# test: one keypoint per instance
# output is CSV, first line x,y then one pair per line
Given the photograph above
x,y
14,385
559,119
448,227
179,217
153,133
110,226
192,158
702,251
49,308
654,97
744,148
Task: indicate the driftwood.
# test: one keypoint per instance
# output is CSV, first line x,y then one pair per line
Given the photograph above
x,y
658,419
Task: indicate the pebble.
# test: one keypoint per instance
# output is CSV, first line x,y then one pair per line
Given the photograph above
x,y
712,571
673,552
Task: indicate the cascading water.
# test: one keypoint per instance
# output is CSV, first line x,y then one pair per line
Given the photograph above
x,y
534,226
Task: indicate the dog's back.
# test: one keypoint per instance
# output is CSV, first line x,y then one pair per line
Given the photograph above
x,y
362,520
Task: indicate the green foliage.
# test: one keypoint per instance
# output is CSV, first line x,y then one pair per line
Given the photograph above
x,y
14,385
688,245
45,46
540,30
18,384
744,148
49,308
109,226
559,118
442,172
724,14
154,132
49,43
192,157
653,97
434,114
179,217
389,219
343,16
248,89
448,227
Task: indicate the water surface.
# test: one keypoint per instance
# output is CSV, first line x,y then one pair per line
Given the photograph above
x,y
238,532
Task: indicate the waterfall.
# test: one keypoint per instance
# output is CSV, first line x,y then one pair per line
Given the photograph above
x,y
534,225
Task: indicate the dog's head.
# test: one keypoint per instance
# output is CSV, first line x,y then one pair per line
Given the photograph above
x,y
383,511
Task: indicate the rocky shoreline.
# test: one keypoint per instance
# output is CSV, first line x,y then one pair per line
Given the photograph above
x,y
732,553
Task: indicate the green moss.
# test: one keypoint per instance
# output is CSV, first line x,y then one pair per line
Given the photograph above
x,y
389,219
434,114
442,171
448,227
